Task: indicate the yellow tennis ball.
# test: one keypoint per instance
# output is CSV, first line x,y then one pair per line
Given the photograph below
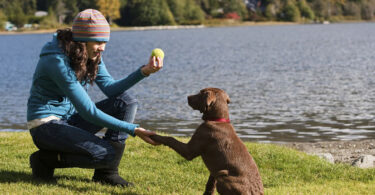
x,y
157,53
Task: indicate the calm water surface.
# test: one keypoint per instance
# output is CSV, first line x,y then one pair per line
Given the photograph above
x,y
286,83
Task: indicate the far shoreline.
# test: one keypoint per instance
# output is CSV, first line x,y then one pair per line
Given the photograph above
x,y
226,23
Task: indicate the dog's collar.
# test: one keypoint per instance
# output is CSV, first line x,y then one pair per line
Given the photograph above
x,y
224,120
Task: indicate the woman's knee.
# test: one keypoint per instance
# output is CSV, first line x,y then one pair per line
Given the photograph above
x,y
126,107
125,101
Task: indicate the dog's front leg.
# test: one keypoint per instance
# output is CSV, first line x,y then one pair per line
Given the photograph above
x,y
210,186
181,148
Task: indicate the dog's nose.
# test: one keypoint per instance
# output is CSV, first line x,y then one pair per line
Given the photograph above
x,y
189,99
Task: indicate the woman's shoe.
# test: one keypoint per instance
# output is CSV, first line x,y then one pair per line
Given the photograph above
x,y
39,169
110,175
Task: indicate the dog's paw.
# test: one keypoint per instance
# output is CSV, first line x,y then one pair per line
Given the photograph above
x,y
157,138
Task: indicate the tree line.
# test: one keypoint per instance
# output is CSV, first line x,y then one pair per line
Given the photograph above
x,y
184,12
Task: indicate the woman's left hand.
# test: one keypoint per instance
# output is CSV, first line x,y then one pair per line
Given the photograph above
x,y
145,135
154,65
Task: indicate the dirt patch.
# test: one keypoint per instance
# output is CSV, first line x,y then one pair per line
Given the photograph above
x,y
342,151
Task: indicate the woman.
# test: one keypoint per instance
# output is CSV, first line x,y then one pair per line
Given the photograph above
x,y
61,117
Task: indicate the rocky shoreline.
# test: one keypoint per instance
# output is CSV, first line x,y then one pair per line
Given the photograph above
x,y
228,23
360,153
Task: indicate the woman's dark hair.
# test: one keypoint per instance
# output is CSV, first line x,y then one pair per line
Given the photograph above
x,y
84,68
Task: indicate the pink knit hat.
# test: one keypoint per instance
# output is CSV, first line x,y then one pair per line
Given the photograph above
x,y
90,25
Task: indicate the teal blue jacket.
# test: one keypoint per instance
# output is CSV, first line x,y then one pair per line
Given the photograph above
x,y
56,91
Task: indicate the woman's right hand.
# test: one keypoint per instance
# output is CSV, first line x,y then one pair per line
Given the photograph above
x,y
145,135
154,65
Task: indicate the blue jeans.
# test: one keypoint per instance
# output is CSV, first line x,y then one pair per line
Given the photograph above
x,y
75,140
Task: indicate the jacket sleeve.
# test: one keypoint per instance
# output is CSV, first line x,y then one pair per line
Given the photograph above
x,y
66,80
111,87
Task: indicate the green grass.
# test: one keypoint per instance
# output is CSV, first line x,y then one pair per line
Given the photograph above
x,y
159,170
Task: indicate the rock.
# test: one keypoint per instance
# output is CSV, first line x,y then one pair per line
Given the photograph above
x,y
326,156
342,151
366,161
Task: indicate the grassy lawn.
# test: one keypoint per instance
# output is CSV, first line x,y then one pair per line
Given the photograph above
x,y
159,170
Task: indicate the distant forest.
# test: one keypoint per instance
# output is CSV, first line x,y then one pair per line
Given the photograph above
x,y
58,13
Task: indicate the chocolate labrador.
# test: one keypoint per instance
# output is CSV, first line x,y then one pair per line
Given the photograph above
x,y
232,169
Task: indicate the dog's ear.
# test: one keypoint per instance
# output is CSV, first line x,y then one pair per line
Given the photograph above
x,y
210,98
227,98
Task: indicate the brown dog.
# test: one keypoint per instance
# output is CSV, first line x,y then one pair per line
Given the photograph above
x,y
232,169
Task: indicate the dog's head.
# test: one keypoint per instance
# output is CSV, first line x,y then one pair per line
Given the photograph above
x,y
210,101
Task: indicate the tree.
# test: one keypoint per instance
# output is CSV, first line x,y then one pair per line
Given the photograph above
x,y
320,8
50,21
60,10
237,6
272,8
110,9
193,13
208,6
3,19
18,11
3,4
42,5
353,10
332,6
305,10
147,13
177,9
186,11
290,12
28,6
86,4
71,10
368,9
16,15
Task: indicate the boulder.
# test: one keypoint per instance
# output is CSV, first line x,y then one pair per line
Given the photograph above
x,y
326,156
366,161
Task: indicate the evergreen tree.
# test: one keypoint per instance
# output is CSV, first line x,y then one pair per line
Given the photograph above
x,y
290,12
110,9
72,10
3,4
16,14
28,6
50,21
186,11
209,6
3,19
60,10
273,9
147,13
177,9
320,8
193,12
368,9
43,5
305,9
352,10
86,4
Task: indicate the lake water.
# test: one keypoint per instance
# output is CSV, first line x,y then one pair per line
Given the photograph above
x,y
286,83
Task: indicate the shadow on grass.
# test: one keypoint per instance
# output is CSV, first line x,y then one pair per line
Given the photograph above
x,y
14,177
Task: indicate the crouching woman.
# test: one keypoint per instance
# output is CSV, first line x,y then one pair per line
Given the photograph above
x,y
62,118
